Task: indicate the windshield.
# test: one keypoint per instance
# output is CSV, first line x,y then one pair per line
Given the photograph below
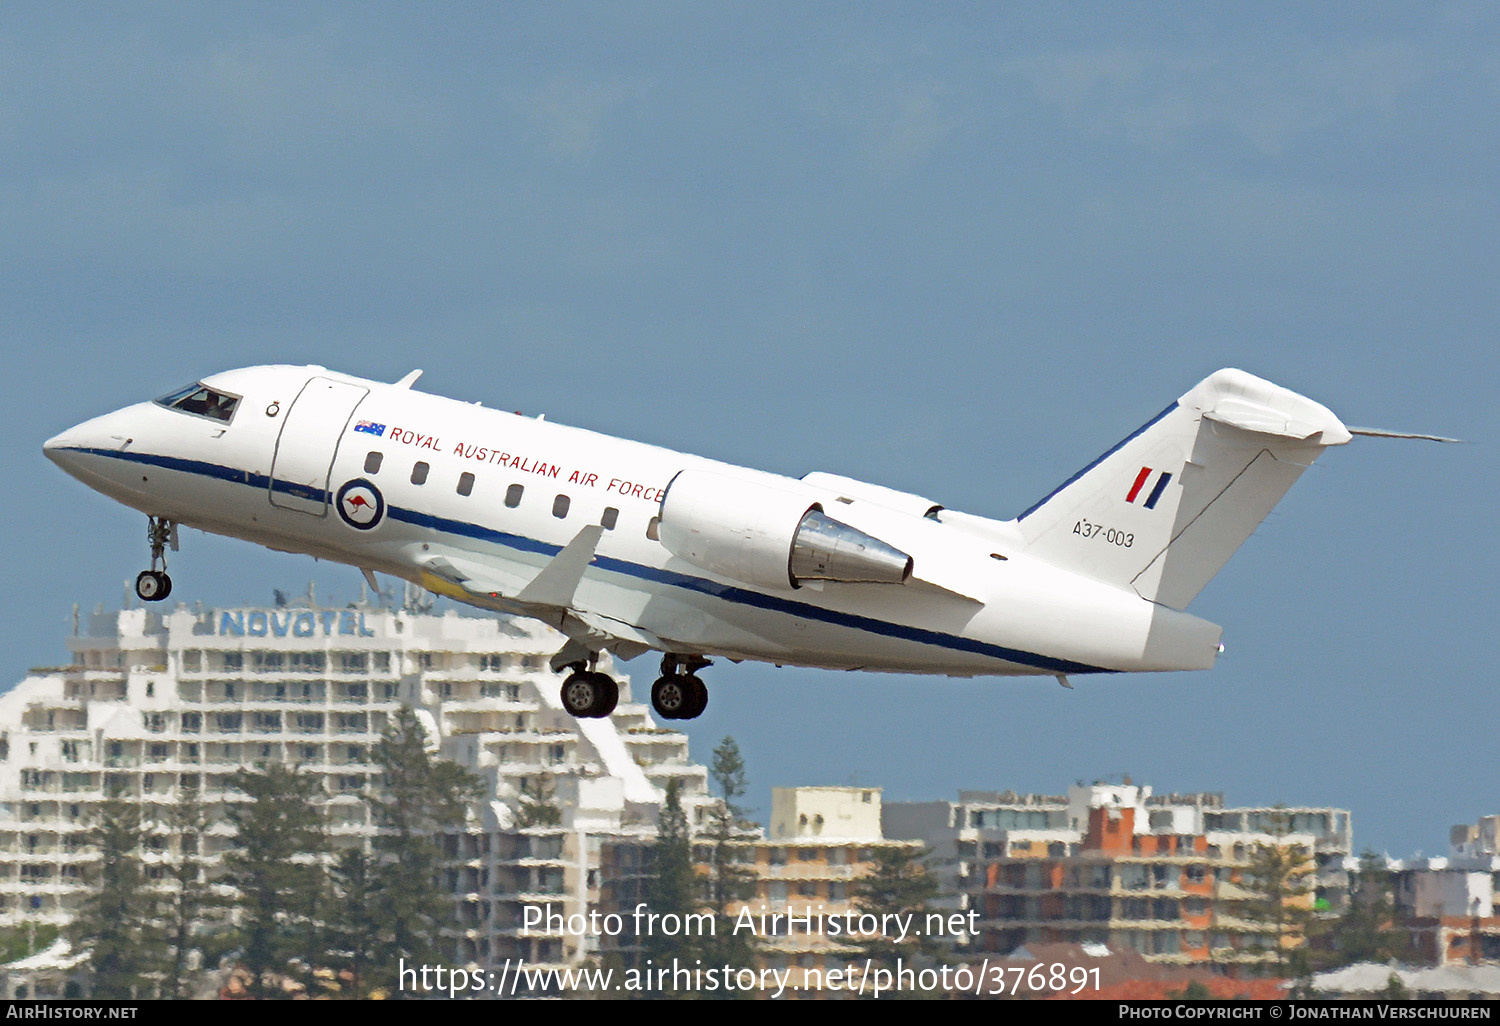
x,y
202,401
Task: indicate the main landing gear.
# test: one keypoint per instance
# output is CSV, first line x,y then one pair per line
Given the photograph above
x,y
589,694
678,694
154,585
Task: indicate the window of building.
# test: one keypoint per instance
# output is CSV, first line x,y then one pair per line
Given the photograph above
x,y
372,462
465,483
560,506
419,473
308,662
610,518
513,495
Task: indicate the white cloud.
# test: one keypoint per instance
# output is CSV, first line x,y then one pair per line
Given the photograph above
x,y
574,113
1269,99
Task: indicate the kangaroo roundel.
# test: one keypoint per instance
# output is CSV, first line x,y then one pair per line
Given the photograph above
x,y
360,504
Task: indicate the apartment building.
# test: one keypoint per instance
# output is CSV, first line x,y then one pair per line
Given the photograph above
x,y
800,880
1115,864
1448,902
158,704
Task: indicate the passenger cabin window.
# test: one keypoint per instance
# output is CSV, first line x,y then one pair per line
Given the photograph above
x,y
653,529
560,506
610,518
372,462
419,473
465,483
201,401
513,495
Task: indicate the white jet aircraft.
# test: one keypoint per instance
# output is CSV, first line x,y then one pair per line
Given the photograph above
x,y
626,547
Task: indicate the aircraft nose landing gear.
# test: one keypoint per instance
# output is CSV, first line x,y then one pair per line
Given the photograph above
x,y
154,585
678,694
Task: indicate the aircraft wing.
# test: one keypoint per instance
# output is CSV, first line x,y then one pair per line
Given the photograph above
x,y
476,578
553,587
548,596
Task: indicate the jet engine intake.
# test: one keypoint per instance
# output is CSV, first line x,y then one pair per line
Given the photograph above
x,y
764,532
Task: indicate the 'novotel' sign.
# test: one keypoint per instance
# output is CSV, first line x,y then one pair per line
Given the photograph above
x,y
295,623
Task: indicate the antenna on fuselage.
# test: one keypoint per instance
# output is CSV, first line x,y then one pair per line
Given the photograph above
x,y
410,379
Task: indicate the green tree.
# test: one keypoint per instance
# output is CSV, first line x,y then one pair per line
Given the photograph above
x,y
1371,929
17,942
538,805
728,882
356,931
190,899
116,921
415,798
898,884
276,868
672,888
1277,885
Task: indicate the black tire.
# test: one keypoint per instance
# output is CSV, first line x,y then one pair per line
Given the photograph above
x,y
609,695
580,693
700,698
152,586
671,696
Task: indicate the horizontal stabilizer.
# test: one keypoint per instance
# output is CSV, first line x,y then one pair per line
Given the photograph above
x,y
1380,433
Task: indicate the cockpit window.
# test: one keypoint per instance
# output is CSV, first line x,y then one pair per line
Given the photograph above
x,y
201,400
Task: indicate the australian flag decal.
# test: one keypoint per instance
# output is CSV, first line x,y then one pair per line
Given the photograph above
x,y
369,427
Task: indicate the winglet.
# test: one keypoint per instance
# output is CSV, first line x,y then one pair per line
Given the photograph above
x,y
409,380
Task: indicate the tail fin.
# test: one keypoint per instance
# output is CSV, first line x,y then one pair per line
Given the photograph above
x,y
1164,509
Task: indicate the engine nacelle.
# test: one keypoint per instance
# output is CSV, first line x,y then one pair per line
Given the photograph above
x,y
848,488
763,532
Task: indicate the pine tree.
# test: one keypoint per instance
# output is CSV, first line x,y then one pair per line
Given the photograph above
x,y
415,798
355,932
1370,930
190,899
116,922
728,883
672,889
538,805
276,869
898,884
1277,885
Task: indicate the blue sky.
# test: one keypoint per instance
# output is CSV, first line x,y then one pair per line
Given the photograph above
x,y
956,249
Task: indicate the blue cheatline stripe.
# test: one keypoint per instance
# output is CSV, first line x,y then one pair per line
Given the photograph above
x,y
1161,486
214,470
1112,450
713,589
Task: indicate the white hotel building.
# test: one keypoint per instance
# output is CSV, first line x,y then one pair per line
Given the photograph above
x,y
158,703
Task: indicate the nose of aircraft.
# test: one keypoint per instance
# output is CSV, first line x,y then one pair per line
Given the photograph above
x,y
71,447
60,448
